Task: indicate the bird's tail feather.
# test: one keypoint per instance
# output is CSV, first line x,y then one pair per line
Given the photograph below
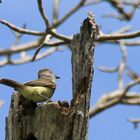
x,y
11,83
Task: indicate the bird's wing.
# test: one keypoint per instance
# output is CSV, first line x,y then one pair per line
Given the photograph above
x,y
42,82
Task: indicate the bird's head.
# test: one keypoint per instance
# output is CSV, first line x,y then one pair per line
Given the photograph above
x,y
47,74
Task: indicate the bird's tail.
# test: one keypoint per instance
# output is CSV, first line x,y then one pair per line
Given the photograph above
x,y
11,83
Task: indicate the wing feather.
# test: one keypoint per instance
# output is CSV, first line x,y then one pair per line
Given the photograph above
x,y
41,82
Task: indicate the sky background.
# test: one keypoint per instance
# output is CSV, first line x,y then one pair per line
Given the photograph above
x,y
110,124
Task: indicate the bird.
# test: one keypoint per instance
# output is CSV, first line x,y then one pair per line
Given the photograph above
x,y
39,90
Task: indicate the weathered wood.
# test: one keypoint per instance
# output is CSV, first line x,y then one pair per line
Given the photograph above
x,y
82,46
27,121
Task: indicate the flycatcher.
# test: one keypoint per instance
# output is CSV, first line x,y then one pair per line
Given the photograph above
x,y
39,90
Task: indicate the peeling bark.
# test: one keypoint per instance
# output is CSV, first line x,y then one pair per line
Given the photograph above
x,y
82,46
28,121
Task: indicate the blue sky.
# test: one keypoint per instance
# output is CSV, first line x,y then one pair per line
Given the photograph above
x,y
110,124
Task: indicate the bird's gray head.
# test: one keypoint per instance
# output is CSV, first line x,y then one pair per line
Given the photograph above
x,y
47,74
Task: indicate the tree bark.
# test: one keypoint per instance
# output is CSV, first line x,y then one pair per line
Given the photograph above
x,y
59,120
28,121
83,45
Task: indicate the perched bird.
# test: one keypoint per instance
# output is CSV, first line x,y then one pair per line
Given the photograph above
x,y
39,90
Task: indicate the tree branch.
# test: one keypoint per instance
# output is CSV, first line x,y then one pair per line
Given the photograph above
x,y
72,11
21,30
116,97
106,37
28,58
55,11
41,10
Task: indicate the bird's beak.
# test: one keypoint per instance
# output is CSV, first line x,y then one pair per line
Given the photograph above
x,y
57,77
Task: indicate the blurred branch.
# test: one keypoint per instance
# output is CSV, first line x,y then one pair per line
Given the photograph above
x,y
106,37
122,65
132,43
70,13
109,70
119,6
18,36
55,11
46,39
121,95
135,43
123,30
1,103
113,16
120,68
92,2
113,98
29,46
28,58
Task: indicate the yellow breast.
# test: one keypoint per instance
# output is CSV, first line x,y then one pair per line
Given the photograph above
x,y
37,93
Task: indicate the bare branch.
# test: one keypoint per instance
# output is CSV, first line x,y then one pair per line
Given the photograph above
x,y
29,58
120,17
130,85
60,36
113,98
21,30
41,10
55,43
29,46
92,2
106,37
72,11
55,11
122,66
118,5
49,30
123,30
109,70
120,69
135,43
131,98
18,36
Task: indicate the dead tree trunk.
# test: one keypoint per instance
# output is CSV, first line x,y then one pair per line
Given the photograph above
x,y
83,45
58,120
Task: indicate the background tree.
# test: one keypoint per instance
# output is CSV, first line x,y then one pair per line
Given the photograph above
x,y
21,53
